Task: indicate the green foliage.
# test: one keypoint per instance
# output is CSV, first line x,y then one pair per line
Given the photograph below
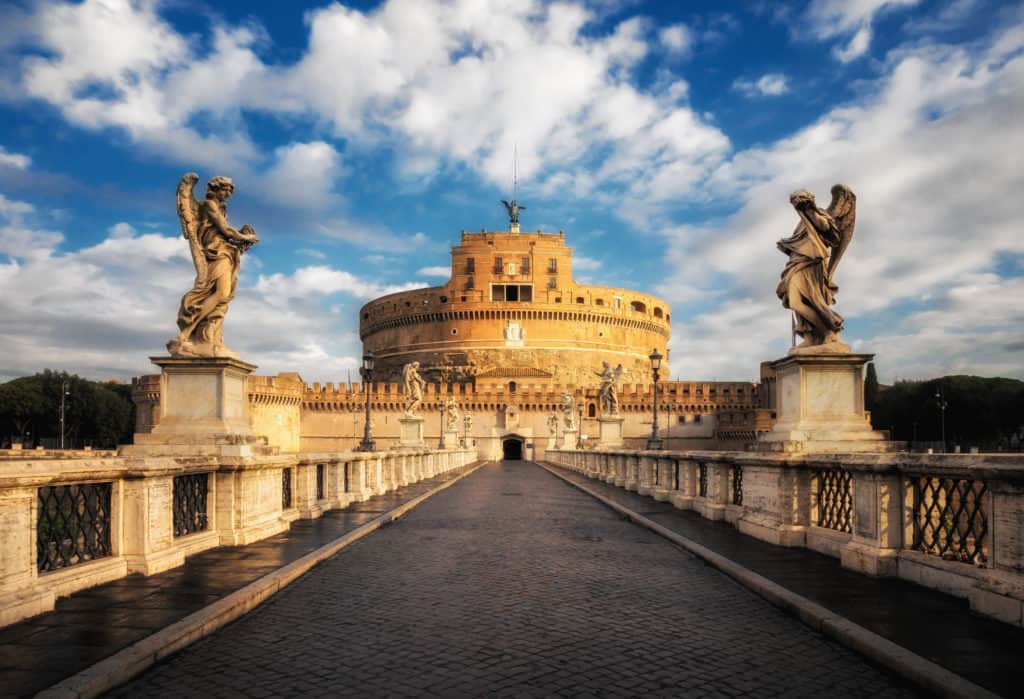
x,y
870,387
97,414
982,412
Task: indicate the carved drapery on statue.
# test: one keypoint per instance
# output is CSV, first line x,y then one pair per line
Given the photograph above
x,y
414,385
451,415
216,250
608,393
568,410
815,248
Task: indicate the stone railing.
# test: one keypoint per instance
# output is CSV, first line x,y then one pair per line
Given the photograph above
x,y
69,524
950,522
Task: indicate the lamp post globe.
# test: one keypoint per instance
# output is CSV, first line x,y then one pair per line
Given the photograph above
x,y
368,443
654,442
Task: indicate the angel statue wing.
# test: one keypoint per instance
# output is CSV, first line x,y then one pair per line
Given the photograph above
x,y
843,211
617,374
188,213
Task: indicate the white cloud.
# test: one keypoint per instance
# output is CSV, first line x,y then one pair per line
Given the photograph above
x,y
438,81
15,160
321,280
582,263
911,149
768,85
440,271
303,175
676,38
121,230
308,252
830,19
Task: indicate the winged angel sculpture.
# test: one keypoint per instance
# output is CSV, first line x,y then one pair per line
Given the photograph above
x,y
815,249
608,392
216,250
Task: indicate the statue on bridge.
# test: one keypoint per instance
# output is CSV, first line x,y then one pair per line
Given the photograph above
x,y
608,393
815,249
216,250
552,424
451,415
414,385
568,410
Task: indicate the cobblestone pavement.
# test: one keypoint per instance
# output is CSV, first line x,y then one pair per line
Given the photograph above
x,y
513,583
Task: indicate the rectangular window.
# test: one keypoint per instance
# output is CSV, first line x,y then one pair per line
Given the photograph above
x,y
524,266
512,292
470,284
552,282
470,265
499,266
552,265
618,302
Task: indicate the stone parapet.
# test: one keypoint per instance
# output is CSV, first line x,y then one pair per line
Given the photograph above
x,y
952,522
74,523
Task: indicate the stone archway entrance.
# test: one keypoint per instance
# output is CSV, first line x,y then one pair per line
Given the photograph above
x,y
512,449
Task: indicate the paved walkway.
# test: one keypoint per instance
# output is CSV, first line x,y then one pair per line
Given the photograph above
x,y
514,583
95,623
934,625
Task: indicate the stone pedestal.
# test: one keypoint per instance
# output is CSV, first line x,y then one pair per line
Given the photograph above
x,y
819,406
552,442
204,405
411,434
569,439
450,439
609,431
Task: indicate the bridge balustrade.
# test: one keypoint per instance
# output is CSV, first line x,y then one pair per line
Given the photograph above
x,y
947,521
76,522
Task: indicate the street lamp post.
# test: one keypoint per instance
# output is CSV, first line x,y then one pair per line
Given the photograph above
x,y
367,444
465,429
655,442
942,411
440,443
579,434
64,393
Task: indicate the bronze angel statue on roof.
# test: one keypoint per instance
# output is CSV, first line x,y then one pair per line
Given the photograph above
x,y
513,208
216,250
815,249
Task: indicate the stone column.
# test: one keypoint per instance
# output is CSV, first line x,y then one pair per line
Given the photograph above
x,y
877,525
609,431
663,479
632,472
683,498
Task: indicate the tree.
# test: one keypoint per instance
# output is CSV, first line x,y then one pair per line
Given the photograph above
x,y
870,387
22,408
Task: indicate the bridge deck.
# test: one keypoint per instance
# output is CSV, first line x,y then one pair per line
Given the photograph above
x,y
514,583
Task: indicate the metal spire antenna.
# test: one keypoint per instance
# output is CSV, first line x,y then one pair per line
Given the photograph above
x,y
513,206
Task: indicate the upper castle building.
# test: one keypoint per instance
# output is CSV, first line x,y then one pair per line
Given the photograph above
x,y
511,310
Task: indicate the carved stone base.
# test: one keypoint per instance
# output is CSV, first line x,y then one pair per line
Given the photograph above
x,y
820,406
411,434
450,439
204,406
569,438
609,431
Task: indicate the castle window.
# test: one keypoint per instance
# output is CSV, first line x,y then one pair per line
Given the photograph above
x,y
580,299
444,299
599,302
618,302
552,282
511,386
552,265
524,266
469,284
455,331
558,300
499,267
366,316
696,419
512,292
637,307
591,410
470,265
657,312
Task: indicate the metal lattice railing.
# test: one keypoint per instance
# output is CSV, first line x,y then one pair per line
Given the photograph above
x,y
950,518
702,469
319,481
190,503
835,499
286,488
736,481
73,525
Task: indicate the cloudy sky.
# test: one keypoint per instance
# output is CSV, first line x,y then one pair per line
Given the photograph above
x,y
664,138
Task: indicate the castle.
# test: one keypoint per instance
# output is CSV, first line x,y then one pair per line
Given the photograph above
x,y
505,337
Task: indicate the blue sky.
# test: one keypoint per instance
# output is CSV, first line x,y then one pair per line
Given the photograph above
x,y
664,138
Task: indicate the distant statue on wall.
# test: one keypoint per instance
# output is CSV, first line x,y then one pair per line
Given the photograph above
x,y
216,250
451,415
414,385
513,208
608,393
568,410
552,424
511,415
815,249
467,422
